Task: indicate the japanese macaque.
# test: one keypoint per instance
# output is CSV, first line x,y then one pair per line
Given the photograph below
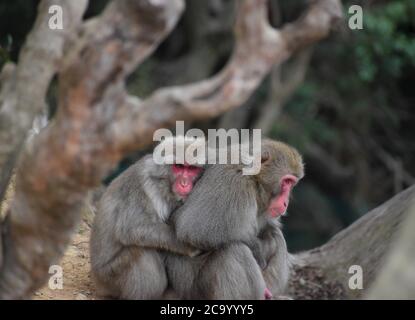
x,y
273,247
225,211
130,233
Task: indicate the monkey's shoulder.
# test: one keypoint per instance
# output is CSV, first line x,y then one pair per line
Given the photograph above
x,y
228,175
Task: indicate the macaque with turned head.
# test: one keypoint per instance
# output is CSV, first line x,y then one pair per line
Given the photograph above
x,y
224,214
273,247
130,234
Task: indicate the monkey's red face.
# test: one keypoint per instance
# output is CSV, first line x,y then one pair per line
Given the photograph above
x,y
279,204
184,178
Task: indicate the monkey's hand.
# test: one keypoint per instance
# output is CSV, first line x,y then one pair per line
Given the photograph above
x,y
187,250
195,252
268,294
192,251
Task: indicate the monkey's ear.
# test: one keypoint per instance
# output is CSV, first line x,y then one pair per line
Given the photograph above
x,y
265,156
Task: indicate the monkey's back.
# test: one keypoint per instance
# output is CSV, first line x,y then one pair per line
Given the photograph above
x,y
221,208
123,204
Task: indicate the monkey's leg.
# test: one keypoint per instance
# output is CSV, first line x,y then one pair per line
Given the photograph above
x,y
230,273
144,278
182,272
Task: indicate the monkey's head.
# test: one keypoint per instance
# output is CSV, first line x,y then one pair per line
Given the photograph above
x,y
182,174
184,177
281,168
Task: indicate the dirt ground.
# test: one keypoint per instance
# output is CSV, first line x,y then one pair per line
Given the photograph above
x,y
77,282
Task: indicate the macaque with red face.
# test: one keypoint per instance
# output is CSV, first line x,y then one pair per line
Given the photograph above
x,y
185,176
279,204
131,235
224,215
272,243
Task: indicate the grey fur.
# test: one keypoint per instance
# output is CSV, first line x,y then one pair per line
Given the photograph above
x,y
130,235
274,251
220,216
226,213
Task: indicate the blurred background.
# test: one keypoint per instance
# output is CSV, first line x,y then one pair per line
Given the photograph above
x,y
347,104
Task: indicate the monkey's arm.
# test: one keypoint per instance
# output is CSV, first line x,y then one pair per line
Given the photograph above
x,y
156,236
256,247
272,241
276,273
216,214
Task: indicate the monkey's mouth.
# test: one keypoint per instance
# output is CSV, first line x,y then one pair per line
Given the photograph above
x,y
279,204
183,190
275,213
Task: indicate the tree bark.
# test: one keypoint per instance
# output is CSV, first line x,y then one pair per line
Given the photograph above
x,y
323,273
23,91
281,90
59,166
396,279
258,48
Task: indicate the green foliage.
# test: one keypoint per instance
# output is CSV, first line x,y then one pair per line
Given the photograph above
x,y
359,75
311,128
385,48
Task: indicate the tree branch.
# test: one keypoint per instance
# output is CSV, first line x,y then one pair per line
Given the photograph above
x,y
323,272
258,48
60,165
282,90
396,278
22,98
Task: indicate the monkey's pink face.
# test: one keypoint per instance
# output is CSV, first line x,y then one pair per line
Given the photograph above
x,y
184,178
279,204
